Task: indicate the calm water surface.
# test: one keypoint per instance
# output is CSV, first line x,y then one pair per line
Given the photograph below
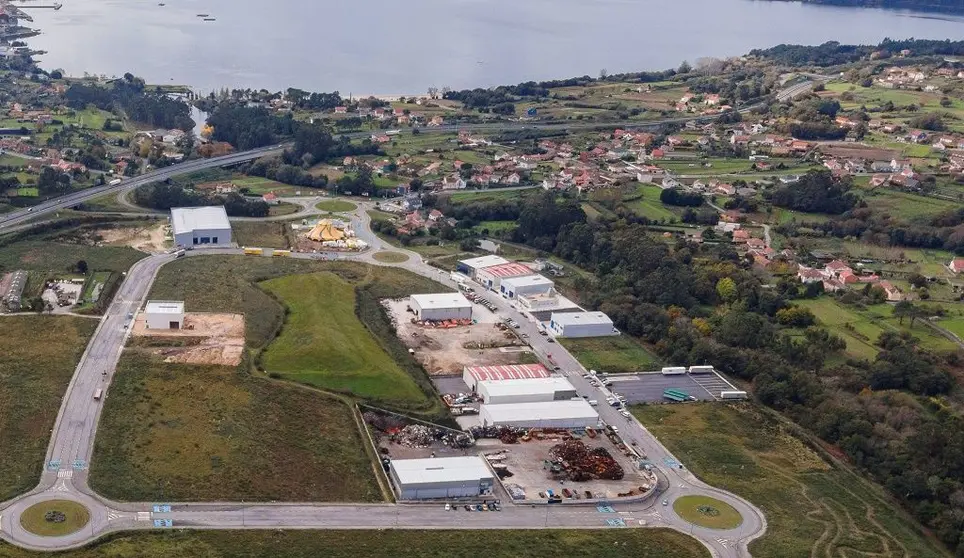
x,y
377,46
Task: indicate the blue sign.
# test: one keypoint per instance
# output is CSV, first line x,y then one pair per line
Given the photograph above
x,y
163,522
605,509
162,508
531,112
79,464
53,465
615,523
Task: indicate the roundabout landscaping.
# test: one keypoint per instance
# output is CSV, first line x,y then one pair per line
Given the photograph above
x,y
55,518
336,206
390,257
707,512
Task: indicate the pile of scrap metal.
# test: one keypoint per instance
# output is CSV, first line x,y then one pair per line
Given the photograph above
x,y
417,435
579,463
507,434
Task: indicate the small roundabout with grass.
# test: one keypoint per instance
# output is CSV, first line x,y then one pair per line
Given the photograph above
x,y
390,257
55,518
704,511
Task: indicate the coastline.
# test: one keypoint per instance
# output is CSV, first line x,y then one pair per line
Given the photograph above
x,y
949,9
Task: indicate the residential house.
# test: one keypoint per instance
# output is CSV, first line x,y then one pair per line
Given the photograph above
x,y
341,110
435,215
892,292
878,180
741,235
711,99
809,275
956,265
512,179
739,139
270,198
756,243
453,182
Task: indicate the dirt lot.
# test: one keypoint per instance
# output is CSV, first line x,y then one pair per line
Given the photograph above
x,y
856,151
148,239
447,351
207,338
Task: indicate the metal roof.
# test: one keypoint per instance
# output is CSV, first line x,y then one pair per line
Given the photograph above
x,y
164,307
483,261
507,372
440,469
441,300
547,410
527,280
525,386
510,269
187,219
580,318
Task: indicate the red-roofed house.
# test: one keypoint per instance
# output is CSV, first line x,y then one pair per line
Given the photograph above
x,y
741,235
341,110
270,198
893,293
956,265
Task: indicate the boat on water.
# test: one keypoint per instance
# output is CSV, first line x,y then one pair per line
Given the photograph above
x,y
161,4
209,19
202,15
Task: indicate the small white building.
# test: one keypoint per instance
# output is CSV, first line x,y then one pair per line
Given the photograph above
x,y
580,324
472,265
441,306
164,314
441,477
514,287
533,390
553,414
193,226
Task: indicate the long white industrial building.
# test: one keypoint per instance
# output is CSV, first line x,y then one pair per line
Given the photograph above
x,y
441,477
532,390
441,306
553,414
472,375
472,265
580,324
514,287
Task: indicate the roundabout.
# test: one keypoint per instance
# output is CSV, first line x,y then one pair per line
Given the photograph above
x,y
55,518
390,257
704,511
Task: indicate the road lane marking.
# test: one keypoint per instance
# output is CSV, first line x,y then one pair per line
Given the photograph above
x,y
143,516
65,474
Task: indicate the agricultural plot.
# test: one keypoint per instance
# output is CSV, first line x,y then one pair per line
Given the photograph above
x,y
645,203
192,432
812,508
904,205
615,354
52,256
263,234
33,379
859,332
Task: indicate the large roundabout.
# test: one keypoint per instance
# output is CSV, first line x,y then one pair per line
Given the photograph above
x,y
704,511
55,518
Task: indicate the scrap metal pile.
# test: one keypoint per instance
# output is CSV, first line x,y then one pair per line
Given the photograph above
x,y
417,435
580,463
505,434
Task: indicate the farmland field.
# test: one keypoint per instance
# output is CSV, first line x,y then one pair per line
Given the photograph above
x,y
194,432
52,256
324,344
645,202
812,508
263,234
615,354
33,379
388,543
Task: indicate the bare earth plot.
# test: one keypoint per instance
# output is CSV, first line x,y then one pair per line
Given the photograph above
x,y
206,338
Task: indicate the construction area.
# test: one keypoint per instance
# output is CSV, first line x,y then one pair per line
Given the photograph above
x,y
445,348
149,238
201,338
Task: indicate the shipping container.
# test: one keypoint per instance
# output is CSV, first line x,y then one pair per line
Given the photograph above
x,y
733,394
674,370
701,369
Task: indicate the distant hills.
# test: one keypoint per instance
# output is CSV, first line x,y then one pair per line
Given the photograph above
x,y
945,6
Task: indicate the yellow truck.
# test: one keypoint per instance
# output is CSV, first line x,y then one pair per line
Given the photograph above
x,y
253,251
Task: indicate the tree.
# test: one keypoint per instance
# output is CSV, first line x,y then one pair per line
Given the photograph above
x,y
917,280
81,267
931,121
684,68
726,289
902,309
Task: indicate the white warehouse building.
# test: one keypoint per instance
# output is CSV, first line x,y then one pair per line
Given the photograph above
x,y
472,265
551,414
441,477
193,226
164,314
513,287
441,306
580,324
535,390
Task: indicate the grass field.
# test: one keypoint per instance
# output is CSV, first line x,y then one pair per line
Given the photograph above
x,y
283,208
39,357
904,205
263,234
324,344
76,518
390,257
257,185
812,509
336,206
191,432
402,543
228,284
647,204
707,512
614,354
486,195
51,256
496,226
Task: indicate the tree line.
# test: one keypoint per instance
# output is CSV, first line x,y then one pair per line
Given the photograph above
x,y
128,95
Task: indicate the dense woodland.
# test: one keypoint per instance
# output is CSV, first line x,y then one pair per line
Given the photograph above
x,y
702,304
164,196
833,53
128,95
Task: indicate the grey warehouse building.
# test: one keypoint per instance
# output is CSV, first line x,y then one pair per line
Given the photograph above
x,y
441,477
193,226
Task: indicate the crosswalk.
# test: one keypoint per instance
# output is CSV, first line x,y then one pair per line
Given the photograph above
x,y
723,542
65,474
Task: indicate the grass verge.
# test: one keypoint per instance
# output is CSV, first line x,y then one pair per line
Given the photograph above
x,y
576,543
189,432
812,508
39,354
390,257
336,206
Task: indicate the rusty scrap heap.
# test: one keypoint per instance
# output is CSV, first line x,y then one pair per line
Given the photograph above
x,y
579,463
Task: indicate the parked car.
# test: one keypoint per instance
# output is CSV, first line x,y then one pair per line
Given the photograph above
x,y
448,507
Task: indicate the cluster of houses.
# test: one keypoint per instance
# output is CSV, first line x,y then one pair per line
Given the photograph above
x,y
166,140
837,275
399,116
20,114
417,220
703,104
897,77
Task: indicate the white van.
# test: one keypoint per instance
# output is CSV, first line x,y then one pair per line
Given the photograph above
x,y
98,394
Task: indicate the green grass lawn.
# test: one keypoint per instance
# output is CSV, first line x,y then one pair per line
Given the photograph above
x,y
258,185
324,344
194,432
485,195
645,202
835,317
336,206
27,192
904,205
52,256
230,284
39,357
812,508
707,512
76,517
496,226
616,354
390,257
283,208
387,543
263,234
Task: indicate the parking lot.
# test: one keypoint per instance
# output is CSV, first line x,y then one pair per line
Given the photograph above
x,y
648,388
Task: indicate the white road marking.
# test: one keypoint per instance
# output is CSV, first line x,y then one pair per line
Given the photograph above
x,y
61,486
143,516
112,515
65,474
